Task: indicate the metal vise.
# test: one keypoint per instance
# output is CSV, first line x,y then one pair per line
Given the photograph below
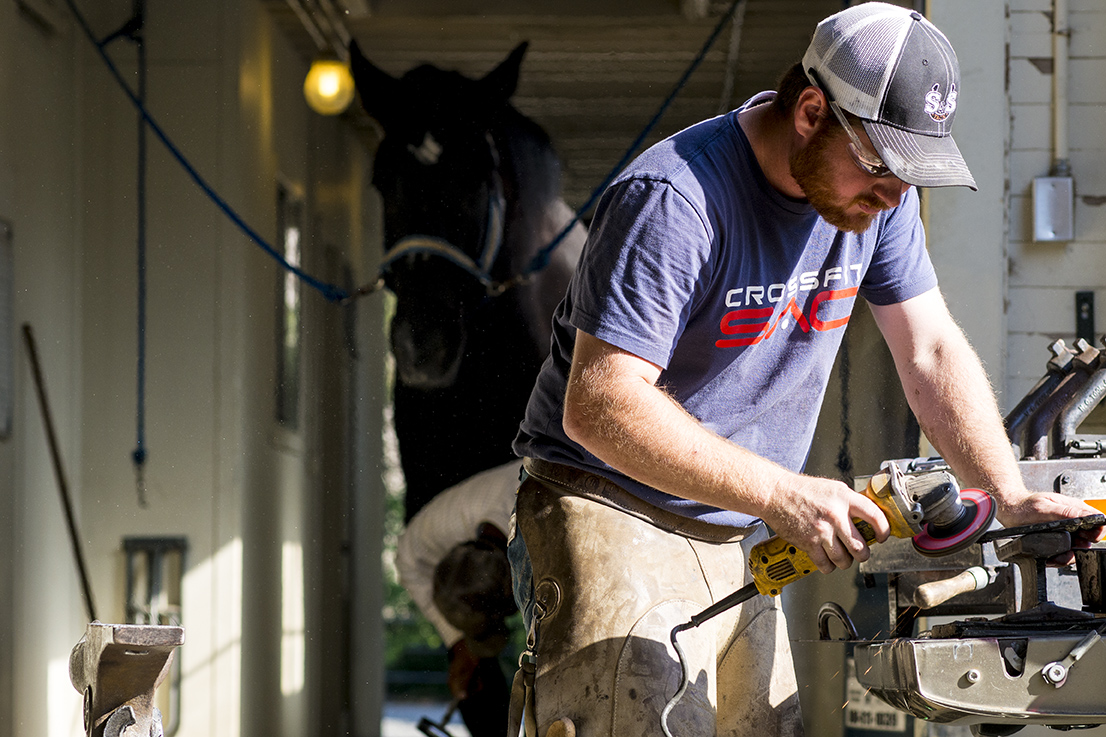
x,y
118,667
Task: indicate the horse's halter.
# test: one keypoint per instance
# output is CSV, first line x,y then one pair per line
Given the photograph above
x,y
480,268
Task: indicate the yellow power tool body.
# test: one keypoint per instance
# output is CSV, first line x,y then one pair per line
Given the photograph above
x,y
775,562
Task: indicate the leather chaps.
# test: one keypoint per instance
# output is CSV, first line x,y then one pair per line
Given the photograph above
x,y
612,576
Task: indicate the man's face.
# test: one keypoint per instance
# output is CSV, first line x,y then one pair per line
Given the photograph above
x,y
846,197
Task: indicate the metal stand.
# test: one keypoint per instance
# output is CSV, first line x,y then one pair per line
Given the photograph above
x,y
118,667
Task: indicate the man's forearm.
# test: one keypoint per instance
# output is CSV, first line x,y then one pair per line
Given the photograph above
x,y
956,408
950,394
635,427
952,398
614,409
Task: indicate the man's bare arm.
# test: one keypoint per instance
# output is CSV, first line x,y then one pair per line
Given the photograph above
x,y
614,409
949,393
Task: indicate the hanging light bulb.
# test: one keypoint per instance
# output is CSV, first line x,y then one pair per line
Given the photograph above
x,y
329,86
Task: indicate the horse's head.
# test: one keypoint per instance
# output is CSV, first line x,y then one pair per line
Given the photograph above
x,y
437,172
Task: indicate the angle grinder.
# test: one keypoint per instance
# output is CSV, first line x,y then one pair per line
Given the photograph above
x,y
929,508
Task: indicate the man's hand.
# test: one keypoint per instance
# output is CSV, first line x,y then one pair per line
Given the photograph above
x,y
1015,510
816,515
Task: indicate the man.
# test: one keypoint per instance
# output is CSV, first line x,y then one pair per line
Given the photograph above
x,y
452,560
689,360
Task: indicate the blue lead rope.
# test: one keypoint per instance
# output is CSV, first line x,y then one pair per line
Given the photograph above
x,y
330,292
334,293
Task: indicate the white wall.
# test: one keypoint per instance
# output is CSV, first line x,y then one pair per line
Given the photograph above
x,y
967,230
1015,296
199,352
1045,276
266,512
43,615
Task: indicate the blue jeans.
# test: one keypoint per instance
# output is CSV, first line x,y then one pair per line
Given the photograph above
x,y
522,575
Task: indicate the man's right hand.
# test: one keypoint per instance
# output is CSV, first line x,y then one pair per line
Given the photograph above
x,y
816,515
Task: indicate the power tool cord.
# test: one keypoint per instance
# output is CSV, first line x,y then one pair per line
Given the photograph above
x,y
684,679
743,594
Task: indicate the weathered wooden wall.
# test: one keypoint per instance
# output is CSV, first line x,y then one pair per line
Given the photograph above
x,y
595,79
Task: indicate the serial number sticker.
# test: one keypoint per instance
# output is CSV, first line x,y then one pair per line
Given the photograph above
x,y
865,711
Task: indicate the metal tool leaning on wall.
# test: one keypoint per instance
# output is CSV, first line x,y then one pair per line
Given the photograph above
x,y
1039,662
929,509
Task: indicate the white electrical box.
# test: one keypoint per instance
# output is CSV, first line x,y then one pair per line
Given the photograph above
x,y
1053,209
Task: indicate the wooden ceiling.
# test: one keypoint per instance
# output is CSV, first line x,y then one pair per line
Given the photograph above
x,y
595,73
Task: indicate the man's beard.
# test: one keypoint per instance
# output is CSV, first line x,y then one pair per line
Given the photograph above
x,y
809,167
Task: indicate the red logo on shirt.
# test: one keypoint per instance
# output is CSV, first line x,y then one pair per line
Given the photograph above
x,y
754,324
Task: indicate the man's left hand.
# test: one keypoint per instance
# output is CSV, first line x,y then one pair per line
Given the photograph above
x,y
1032,508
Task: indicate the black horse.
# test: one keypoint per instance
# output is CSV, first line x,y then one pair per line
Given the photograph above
x,y
471,192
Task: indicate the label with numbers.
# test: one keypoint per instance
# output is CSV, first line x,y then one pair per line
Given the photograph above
x,y
865,711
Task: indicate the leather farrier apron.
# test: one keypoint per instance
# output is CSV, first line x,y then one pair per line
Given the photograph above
x,y
611,577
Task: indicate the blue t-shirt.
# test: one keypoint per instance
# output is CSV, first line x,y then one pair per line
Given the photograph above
x,y
697,264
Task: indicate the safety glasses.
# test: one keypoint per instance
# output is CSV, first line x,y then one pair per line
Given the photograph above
x,y
867,161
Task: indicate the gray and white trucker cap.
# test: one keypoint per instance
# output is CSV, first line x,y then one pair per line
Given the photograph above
x,y
894,70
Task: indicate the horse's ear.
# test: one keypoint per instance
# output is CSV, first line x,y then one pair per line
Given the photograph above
x,y
500,83
379,91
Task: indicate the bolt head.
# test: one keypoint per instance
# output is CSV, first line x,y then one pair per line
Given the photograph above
x,y
1055,674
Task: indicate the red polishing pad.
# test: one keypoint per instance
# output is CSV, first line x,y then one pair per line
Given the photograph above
x,y
979,512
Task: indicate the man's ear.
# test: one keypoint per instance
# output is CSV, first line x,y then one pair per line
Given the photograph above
x,y
810,112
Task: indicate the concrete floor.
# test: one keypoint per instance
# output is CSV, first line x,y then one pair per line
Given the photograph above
x,y
401,718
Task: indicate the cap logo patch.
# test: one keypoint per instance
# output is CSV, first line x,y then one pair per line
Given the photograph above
x,y
940,109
